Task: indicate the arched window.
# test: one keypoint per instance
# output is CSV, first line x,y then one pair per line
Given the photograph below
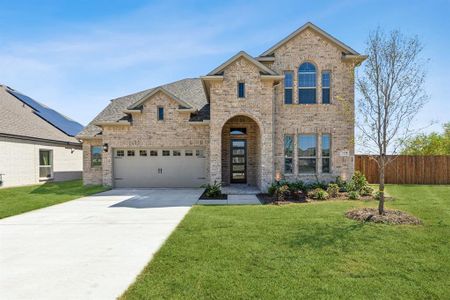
x,y
307,83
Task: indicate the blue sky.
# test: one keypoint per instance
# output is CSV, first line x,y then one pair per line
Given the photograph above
x,y
77,55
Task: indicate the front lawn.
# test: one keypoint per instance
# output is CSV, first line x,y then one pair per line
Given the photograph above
x,y
18,200
309,251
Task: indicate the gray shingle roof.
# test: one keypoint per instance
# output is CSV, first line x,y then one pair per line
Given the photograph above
x,y
18,118
190,90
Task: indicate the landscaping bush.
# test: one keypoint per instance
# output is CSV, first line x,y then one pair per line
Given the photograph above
x,y
315,185
342,184
296,186
272,189
318,194
350,186
366,190
359,181
282,191
353,195
213,190
333,190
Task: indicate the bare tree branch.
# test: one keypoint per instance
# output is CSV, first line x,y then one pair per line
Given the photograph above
x,y
392,93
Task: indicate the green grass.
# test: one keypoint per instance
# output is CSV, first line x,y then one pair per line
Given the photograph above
x,y
305,251
18,200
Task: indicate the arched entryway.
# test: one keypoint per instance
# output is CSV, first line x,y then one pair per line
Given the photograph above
x,y
241,151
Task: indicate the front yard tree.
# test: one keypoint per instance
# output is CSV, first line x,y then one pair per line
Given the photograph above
x,y
391,94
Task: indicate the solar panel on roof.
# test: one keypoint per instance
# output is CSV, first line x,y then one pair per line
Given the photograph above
x,y
58,120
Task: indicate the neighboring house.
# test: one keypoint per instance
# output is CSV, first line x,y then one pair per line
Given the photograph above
x,y
288,111
37,144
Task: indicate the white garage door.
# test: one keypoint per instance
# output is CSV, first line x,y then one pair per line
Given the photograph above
x,y
159,168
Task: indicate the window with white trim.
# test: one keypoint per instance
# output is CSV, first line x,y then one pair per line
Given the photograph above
x,y
45,164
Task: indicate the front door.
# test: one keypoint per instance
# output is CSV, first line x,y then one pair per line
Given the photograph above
x,y
238,161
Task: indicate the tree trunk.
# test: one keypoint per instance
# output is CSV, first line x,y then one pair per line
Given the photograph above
x,y
381,189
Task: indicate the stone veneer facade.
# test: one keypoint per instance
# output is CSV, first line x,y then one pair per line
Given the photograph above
x,y
262,112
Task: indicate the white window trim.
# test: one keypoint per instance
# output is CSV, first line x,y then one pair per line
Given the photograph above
x,y
50,165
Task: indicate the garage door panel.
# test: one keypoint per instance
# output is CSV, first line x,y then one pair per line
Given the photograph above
x,y
159,171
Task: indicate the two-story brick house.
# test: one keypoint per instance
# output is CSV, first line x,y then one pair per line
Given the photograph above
x,y
288,111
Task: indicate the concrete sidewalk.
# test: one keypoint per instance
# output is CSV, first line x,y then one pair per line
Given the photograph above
x,y
90,248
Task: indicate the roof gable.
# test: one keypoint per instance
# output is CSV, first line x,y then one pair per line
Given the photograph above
x,y
313,27
239,55
154,92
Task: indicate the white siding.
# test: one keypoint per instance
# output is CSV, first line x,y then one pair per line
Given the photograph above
x,y
19,161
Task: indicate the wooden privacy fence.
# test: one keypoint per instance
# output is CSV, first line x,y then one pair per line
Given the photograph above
x,y
407,169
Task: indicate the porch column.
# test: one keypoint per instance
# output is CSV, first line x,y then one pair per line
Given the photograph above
x,y
267,171
215,153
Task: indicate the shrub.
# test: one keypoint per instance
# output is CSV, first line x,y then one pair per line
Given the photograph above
x,y
213,190
281,194
315,185
366,190
333,190
350,186
272,189
342,184
359,180
296,186
353,195
318,194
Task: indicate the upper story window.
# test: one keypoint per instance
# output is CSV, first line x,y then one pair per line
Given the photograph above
x,y
241,89
326,82
288,84
160,113
307,83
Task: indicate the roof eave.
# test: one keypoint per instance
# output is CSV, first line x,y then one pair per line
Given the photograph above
x,y
357,59
112,123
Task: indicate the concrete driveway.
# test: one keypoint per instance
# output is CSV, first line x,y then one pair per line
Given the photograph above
x,y
89,248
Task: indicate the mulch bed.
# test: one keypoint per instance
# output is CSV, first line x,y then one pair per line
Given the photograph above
x,y
204,197
396,217
265,198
